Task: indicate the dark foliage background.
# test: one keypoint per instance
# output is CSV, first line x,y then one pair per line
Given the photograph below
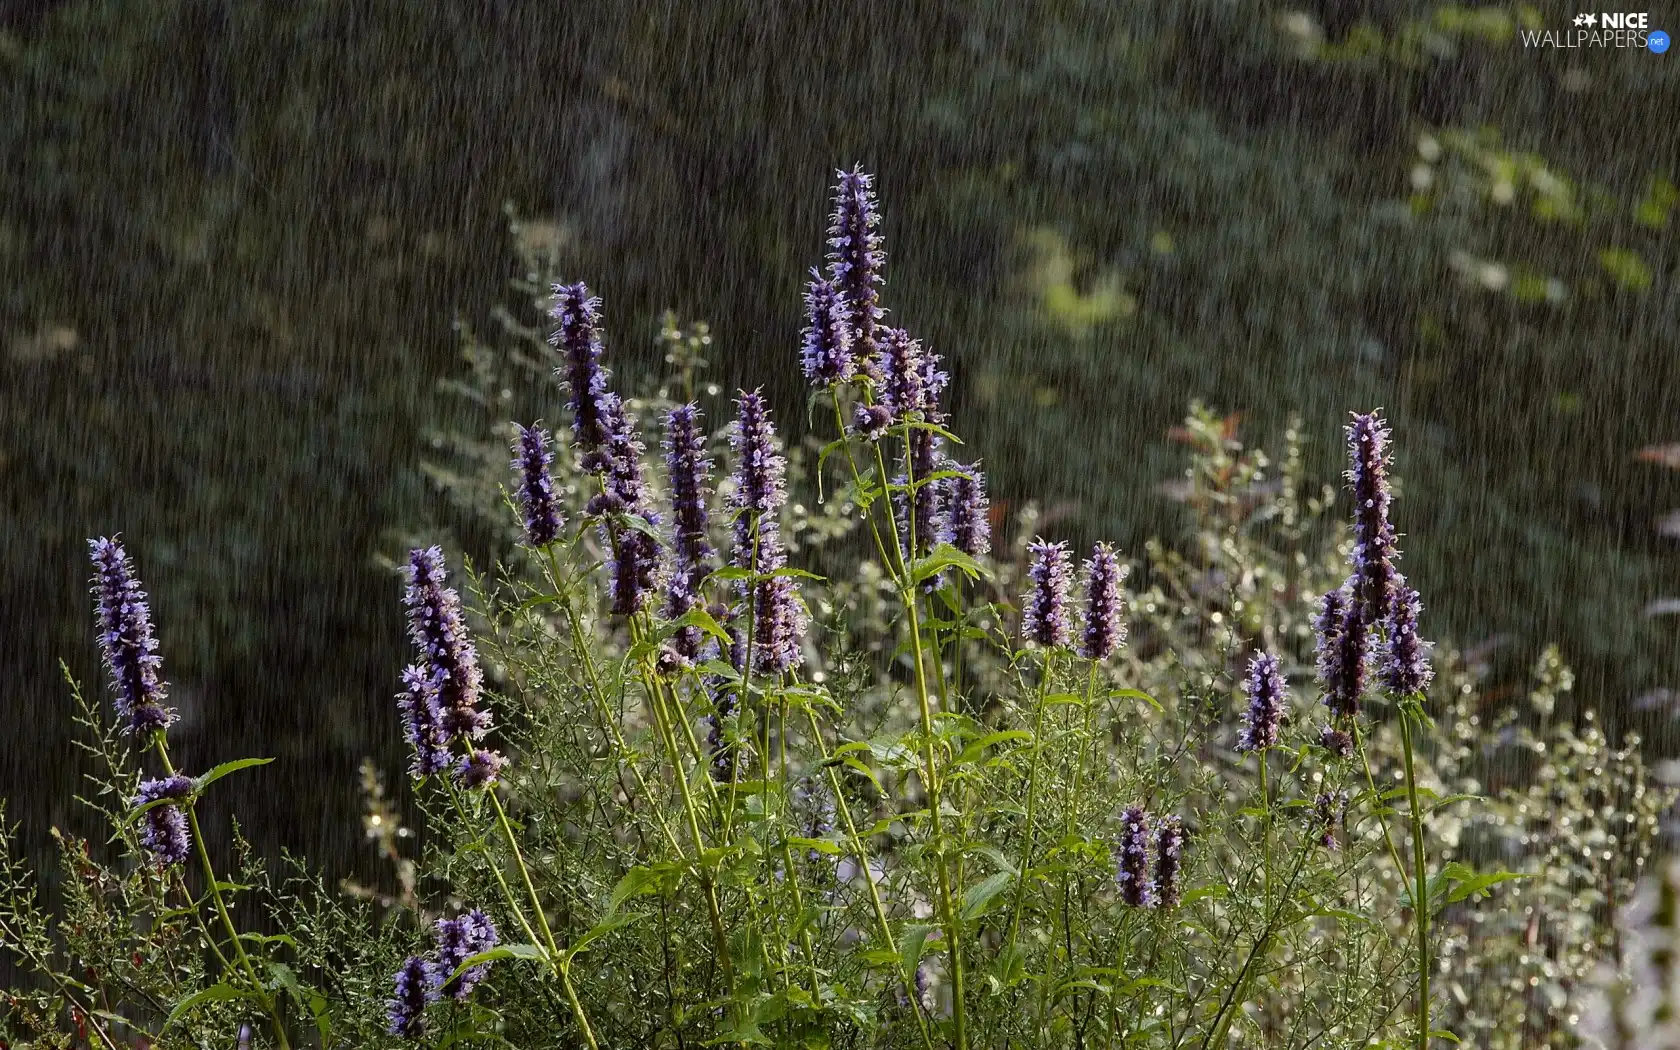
x,y
234,239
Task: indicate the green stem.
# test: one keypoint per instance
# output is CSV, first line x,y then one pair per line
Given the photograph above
x,y
221,907
1032,803
1420,898
561,964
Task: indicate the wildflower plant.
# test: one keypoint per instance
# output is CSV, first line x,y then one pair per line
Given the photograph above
x,y
759,740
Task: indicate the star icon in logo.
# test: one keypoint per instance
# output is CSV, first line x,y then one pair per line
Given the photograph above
x,y
1586,20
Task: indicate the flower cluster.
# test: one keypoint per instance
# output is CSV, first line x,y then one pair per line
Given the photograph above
x,y
1268,703
1044,620
1132,868
1105,626
543,520
163,828
855,260
689,469
1169,862
420,981
756,499
578,338
126,640
826,352
1374,612
439,702
968,511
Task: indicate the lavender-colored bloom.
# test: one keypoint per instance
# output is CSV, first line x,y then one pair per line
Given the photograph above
x,y
1045,616
671,661
635,554
1341,646
536,488
904,374
855,261
1336,741
969,512
1330,817
826,353
1137,883
578,338
725,703
480,768
415,988
922,519
1374,549
690,470
1169,862
778,618
924,986
872,421
1105,628
1406,668
126,640
1268,703
163,829
760,487
439,632
421,709
459,939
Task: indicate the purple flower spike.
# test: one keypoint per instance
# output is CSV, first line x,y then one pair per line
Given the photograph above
x,y
536,487
969,512
126,640
826,353
459,939
778,617
448,657
163,831
1342,636
1336,741
635,554
928,524
760,487
690,470
855,261
872,421
1169,862
1137,884
480,769
906,372
1406,669
1045,619
1374,549
421,709
1268,702
1105,629
578,338
1330,816
407,1009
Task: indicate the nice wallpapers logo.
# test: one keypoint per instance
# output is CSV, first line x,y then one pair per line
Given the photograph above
x,y
1602,29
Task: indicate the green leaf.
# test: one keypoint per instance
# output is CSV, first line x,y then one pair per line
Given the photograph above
x,y
640,881
942,557
503,951
820,845
612,921
975,750
977,899
216,993
912,940
1481,884
225,768
704,621
1135,694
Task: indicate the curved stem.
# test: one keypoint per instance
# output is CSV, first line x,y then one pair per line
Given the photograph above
x,y
1420,897
221,907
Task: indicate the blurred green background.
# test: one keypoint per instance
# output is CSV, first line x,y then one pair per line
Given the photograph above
x,y
235,239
